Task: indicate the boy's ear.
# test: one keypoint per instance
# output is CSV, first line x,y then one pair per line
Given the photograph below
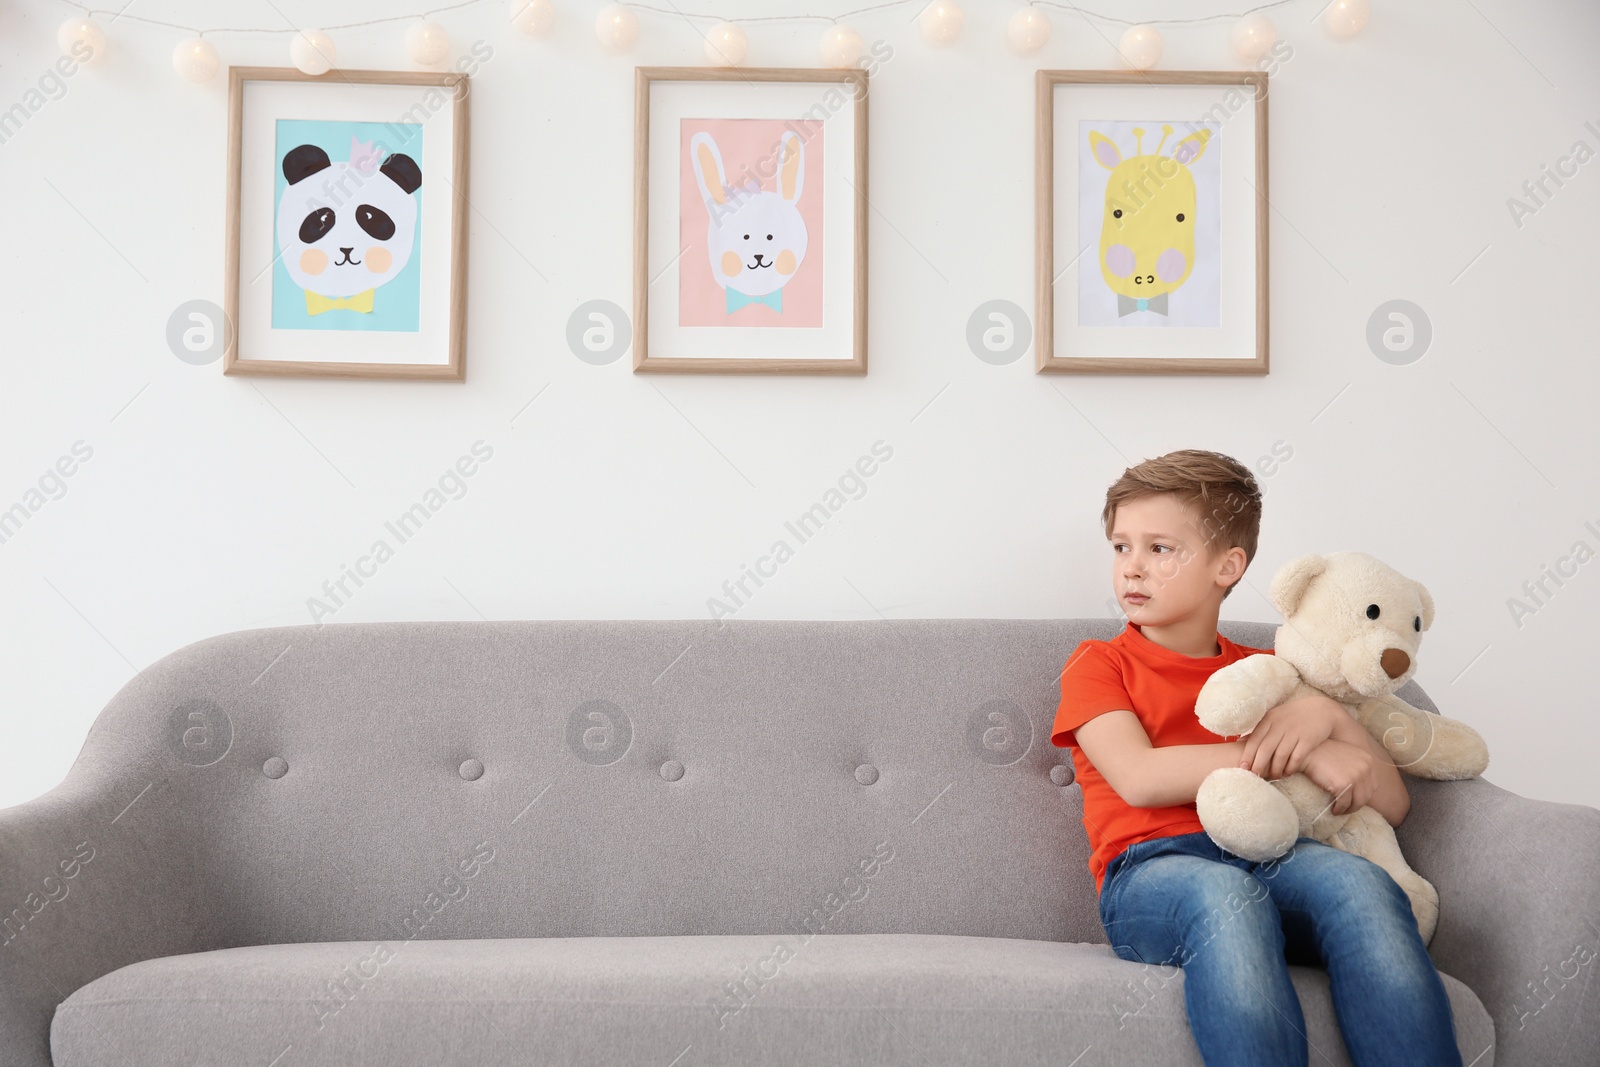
x,y
1243,564
1291,582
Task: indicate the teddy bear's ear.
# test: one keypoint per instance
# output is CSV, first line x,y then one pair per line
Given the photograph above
x,y
1427,605
1291,581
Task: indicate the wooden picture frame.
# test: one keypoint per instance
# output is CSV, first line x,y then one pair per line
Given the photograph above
x,y
703,126
307,314
1213,318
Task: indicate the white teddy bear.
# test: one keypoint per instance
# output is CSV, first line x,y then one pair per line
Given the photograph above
x,y
1351,630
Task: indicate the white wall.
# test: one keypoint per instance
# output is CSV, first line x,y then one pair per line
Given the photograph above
x,y
212,504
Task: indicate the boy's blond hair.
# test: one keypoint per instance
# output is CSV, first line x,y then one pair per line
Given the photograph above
x,y
1218,489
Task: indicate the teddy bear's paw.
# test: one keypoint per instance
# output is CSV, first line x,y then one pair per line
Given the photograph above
x,y
1436,747
1245,815
1424,904
1228,705
1462,751
1233,699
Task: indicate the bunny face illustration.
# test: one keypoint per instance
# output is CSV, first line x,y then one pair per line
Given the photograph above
x,y
755,238
346,228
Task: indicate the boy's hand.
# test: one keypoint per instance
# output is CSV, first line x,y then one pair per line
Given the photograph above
x,y
1347,772
1287,734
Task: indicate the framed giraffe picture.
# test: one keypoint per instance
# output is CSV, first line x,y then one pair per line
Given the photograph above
x,y
1151,203
750,220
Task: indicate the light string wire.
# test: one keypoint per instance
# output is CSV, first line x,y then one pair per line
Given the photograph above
x,y
198,32
1066,5
1062,5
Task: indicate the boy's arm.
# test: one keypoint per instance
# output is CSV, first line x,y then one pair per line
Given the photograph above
x,y
1149,777
1390,799
1143,775
1346,728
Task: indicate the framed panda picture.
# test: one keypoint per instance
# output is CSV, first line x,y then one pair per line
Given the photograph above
x,y
750,212
347,227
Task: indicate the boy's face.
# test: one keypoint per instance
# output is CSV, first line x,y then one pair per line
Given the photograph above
x,y
1162,569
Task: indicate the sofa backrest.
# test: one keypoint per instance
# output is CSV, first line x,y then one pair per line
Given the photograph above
x,y
553,779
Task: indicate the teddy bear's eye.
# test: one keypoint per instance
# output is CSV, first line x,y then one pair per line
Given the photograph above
x,y
747,237
1180,216
1117,214
1372,611
769,236
1416,624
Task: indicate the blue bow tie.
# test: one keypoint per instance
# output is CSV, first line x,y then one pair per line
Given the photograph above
x,y
1127,305
737,300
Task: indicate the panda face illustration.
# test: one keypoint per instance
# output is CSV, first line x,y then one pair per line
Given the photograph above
x,y
345,228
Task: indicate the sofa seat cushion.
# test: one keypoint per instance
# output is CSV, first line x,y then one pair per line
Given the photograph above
x,y
717,999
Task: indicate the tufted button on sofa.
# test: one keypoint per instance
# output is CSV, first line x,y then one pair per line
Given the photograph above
x,y
667,843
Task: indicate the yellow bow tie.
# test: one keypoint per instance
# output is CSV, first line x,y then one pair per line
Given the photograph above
x,y
316,303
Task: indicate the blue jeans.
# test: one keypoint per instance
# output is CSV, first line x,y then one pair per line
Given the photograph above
x,y
1234,926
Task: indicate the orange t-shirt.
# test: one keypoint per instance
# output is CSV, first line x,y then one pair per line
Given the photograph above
x,y
1130,672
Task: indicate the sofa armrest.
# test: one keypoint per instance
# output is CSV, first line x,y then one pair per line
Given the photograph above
x,y
1519,911
94,875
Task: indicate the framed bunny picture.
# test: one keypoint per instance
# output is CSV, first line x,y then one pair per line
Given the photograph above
x,y
750,235
1151,222
346,231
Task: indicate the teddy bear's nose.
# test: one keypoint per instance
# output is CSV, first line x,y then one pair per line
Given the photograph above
x,y
1394,662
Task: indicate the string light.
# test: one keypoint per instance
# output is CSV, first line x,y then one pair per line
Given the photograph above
x,y
427,44
82,39
726,44
1028,31
941,21
313,52
536,18
195,60
1141,47
841,46
617,28
1252,37
1345,18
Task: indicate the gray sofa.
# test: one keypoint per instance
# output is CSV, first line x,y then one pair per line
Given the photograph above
x,y
665,843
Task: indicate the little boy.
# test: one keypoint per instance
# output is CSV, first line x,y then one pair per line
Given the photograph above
x,y
1183,529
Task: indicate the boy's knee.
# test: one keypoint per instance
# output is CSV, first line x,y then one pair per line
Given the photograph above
x,y
1225,900
1229,888
1358,878
1367,897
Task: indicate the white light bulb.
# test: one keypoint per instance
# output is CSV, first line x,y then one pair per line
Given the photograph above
x,y
1028,31
427,44
1345,18
313,52
195,60
617,28
536,18
726,45
1141,47
840,46
1252,36
82,39
941,21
